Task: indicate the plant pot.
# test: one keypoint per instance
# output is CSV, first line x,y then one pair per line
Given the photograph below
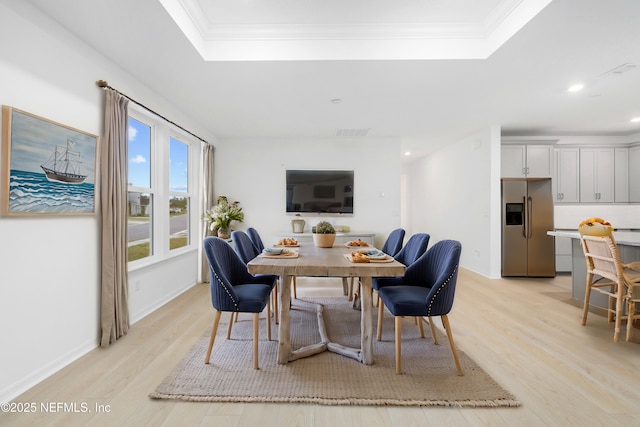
x,y
224,233
324,240
297,225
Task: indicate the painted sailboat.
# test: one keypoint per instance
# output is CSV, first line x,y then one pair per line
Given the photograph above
x,y
64,165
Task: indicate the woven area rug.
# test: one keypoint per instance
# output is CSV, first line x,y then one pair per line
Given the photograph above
x,y
429,376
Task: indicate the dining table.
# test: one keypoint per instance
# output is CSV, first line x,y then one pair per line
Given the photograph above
x,y
308,260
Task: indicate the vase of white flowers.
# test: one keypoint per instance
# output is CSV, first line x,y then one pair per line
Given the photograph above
x,y
222,215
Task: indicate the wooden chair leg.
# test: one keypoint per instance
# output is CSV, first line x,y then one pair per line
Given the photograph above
x,y
587,297
256,323
214,330
269,320
618,316
419,320
234,318
350,294
454,351
380,314
275,302
295,293
433,331
612,306
398,345
631,306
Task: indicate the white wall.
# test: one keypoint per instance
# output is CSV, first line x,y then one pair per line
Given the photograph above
x,y
252,171
49,267
455,194
620,216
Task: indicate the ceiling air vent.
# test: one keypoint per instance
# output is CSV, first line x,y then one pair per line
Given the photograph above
x,y
352,132
620,69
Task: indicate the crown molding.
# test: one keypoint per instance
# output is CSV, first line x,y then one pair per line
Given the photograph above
x,y
353,41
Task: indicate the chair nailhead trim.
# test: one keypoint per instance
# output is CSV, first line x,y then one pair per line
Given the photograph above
x,y
235,303
441,287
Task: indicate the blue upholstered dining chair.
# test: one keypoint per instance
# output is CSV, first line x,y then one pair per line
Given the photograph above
x,y
391,247
247,251
244,246
416,246
234,290
394,241
255,238
426,290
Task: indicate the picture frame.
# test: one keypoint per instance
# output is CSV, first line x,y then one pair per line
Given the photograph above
x,y
48,168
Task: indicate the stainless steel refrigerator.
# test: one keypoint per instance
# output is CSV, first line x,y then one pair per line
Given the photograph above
x,y
527,215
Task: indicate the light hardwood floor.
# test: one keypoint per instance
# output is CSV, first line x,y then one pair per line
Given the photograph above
x,y
524,332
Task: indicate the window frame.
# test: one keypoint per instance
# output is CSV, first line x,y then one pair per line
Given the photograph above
x,y
160,191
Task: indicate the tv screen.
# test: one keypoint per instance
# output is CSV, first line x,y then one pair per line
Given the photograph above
x,y
323,191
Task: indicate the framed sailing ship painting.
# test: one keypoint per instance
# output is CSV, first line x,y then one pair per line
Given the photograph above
x,y
47,168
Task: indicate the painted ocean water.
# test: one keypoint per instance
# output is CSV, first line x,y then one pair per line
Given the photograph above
x,y
31,192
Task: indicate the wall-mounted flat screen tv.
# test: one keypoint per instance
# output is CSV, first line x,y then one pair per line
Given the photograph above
x,y
320,191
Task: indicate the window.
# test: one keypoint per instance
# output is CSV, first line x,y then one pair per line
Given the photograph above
x,y
140,200
160,195
179,200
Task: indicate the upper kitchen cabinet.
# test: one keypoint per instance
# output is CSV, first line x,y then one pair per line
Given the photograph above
x,y
634,174
567,176
597,175
621,175
526,161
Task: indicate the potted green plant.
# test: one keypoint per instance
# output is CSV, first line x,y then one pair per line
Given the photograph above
x,y
222,215
324,235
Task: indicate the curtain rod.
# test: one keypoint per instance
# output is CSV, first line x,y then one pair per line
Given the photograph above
x,y
103,84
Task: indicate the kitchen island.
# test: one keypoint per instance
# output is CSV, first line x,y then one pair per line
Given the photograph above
x,y
628,244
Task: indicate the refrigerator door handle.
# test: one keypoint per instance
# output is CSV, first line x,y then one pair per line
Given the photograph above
x,y
529,214
525,219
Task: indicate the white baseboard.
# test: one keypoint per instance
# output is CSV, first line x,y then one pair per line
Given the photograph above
x,y
16,389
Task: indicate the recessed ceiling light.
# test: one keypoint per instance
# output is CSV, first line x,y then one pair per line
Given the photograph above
x,y
635,120
407,153
576,87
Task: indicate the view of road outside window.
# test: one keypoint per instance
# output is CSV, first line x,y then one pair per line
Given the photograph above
x,y
144,192
140,202
178,199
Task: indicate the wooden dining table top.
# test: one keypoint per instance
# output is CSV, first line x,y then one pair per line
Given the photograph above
x,y
323,262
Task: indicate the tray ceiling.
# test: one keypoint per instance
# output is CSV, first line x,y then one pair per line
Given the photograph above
x,y
352,30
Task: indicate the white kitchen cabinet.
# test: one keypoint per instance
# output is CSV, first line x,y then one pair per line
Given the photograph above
x,y
634,174
567,176
525,161
596,175
563,254
621,175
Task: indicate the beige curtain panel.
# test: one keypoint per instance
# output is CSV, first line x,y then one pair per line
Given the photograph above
x,y
114,311
208,153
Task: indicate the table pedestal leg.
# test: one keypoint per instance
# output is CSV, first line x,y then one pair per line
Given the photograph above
x,y
284,337
363,354
366,321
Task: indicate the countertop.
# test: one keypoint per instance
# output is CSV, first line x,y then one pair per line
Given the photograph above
x,y
630,238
